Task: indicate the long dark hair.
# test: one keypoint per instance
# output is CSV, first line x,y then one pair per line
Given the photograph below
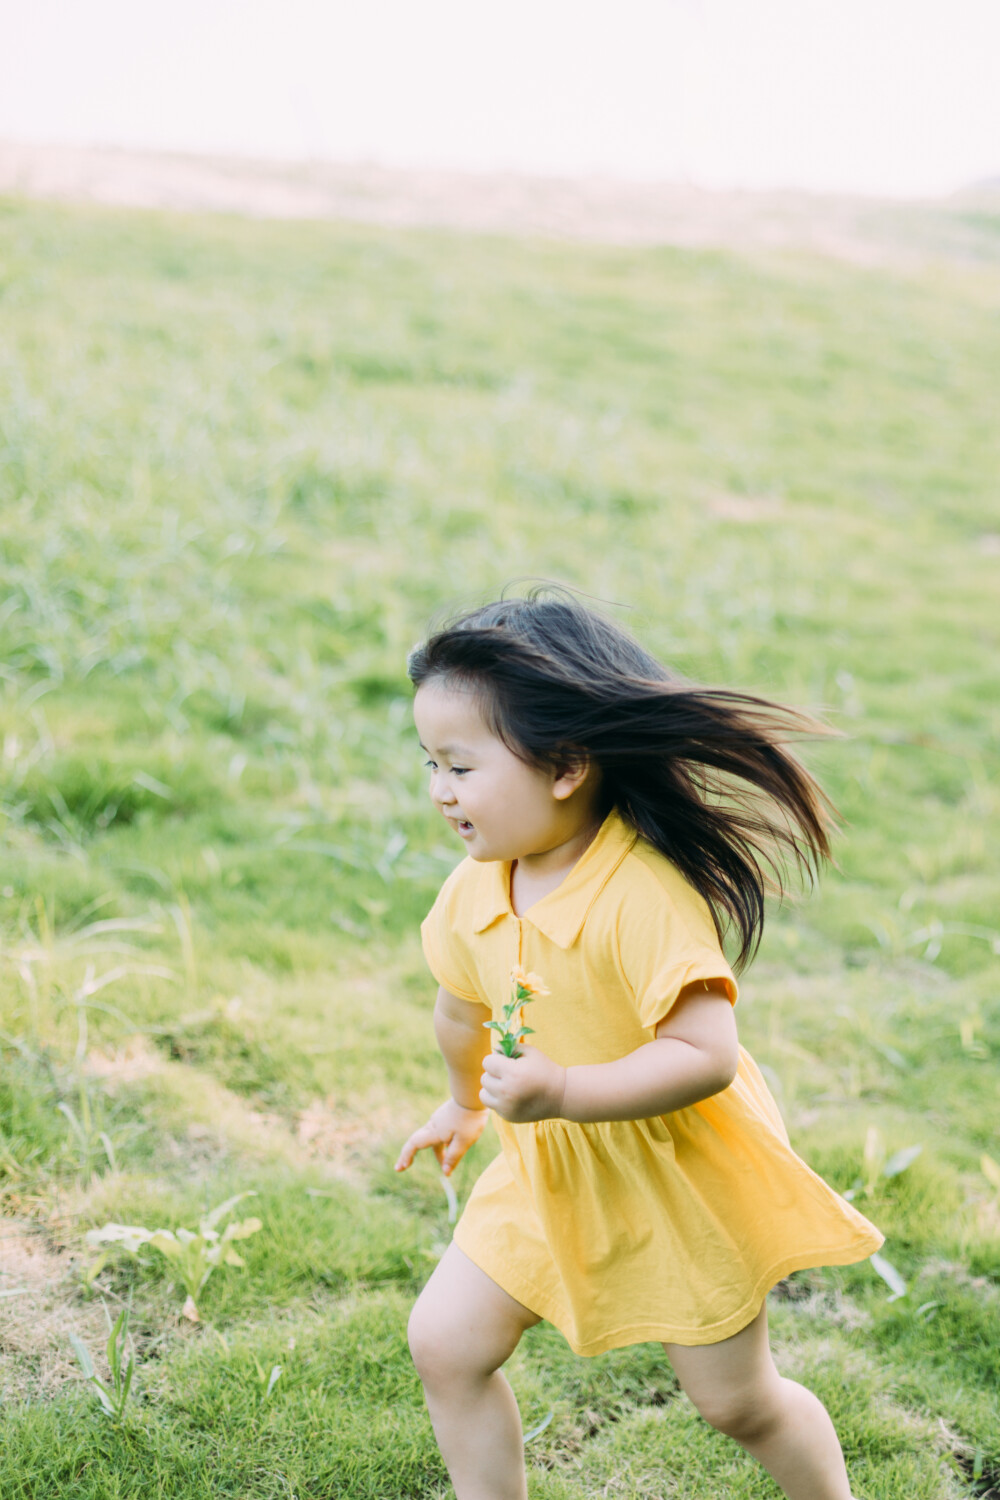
x,y
705,774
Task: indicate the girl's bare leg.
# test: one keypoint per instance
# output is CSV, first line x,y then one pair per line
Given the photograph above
x,y
461,1331
736,1387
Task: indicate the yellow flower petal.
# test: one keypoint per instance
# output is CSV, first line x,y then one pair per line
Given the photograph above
x,y
530,982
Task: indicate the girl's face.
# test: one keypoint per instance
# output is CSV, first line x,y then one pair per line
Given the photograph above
x,y
500,807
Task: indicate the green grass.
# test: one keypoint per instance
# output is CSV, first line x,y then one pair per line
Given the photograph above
x,y
242,467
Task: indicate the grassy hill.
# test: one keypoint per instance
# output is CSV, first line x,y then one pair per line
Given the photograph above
x,y
242,467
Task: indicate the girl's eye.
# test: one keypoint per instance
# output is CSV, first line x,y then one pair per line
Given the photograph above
x,y
431,765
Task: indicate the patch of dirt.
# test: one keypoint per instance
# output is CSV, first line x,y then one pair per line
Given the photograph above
x,y
36,1358
812,1298
136,1058
748,508
344,1143
863,231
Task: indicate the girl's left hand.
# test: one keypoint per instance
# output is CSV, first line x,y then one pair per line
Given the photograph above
x,y
528,1087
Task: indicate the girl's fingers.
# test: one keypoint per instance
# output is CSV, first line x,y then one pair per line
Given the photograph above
x,y
450,1158
449,1138
496,1067
405,1157
418,1141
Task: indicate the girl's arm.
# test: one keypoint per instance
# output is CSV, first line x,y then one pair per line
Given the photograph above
x,y
459,1026
694,1056
458,1123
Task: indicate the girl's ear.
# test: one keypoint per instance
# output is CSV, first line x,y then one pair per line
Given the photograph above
x,y
570,776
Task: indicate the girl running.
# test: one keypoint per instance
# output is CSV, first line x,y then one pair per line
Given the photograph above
x,y
617,820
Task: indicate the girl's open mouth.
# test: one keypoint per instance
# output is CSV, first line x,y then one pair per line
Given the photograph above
x,y
464,826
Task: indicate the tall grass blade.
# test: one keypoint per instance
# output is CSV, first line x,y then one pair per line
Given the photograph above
x,y
900,1160
83,1355
889,1275
545,1422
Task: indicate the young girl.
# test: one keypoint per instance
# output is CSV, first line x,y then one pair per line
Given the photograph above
x,y
615,818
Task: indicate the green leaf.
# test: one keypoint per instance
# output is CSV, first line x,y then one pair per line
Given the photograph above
x,y
95,1268
83,1355
540,1427
242,1229
874,1156
112,1350
889,1275
891,1054
75,1125
104,1396
990,1170
128,1237
212,1219
900,1160
126,1384
165,1241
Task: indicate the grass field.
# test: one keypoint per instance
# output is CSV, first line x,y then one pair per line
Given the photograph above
x,y
242,467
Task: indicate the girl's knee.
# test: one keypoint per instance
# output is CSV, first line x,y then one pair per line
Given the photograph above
x,y
747,1414
428,1348
463,1326
441,1352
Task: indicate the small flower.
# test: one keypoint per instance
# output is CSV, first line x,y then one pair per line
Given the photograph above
x,y
524,988
527,986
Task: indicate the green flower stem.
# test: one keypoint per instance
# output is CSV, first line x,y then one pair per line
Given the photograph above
x,y
512,1036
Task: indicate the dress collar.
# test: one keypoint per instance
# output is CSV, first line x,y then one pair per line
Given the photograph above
x,y
561,914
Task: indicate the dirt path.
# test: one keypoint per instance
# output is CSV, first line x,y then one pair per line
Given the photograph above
x,y
865,231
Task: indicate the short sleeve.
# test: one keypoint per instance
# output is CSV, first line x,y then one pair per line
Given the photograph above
x,y
443,948
667,940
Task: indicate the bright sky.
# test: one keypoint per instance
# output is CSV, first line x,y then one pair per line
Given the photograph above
x,y
890,96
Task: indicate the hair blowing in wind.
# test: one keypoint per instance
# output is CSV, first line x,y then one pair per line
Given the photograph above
x,y
705,774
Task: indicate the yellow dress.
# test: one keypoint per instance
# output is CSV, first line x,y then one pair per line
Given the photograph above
x,y
672,1228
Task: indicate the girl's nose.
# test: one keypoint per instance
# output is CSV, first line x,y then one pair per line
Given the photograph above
x,y
441,793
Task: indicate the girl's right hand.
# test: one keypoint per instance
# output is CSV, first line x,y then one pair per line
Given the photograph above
x,y
449,1132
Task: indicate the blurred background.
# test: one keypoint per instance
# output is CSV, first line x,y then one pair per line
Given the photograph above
x,y
316,324
896,97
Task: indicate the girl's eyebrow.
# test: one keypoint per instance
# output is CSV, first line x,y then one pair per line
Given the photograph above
x,y
447,749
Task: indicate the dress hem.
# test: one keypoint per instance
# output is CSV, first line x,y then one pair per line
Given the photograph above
x,y
536,1301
